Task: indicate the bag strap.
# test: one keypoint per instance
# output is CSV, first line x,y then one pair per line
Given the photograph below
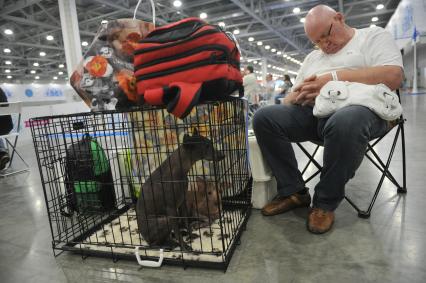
x,y
186,96
152,7
179,97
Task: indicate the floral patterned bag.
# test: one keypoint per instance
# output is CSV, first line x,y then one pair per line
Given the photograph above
x,y
104,78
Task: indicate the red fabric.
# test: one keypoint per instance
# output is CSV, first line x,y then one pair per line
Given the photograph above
x,y
186,97
154,96
217,39
144,45
209,72
190,81
178,62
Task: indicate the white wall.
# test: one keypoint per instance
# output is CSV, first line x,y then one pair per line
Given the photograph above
x,y
43,100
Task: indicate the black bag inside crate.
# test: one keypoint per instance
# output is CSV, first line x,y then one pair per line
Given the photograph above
x,y
89,183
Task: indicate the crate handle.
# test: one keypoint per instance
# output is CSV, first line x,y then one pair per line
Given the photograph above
x,y
149,263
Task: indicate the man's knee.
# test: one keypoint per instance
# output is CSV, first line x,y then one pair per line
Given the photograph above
x,y
350,122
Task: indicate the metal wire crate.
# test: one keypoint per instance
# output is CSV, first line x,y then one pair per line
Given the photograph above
x,y
135,144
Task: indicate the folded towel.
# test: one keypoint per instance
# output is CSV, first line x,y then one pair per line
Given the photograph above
x,y
338,94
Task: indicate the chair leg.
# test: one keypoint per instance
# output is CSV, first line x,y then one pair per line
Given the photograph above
x,y
382,165
14,151
361,213
366,213
403,190
310,159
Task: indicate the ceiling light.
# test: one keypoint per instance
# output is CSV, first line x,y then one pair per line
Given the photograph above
x,y
32,71
296,10
8,31
8,62
236,31
374,19
203,15
260,43
269,66
241,58
372,25
42,53
60,73
267,47
251,39
6,50
380,6
84,43
36,77
49,37
273,50
7,71
55,78
177,4
9,77
255,62
279,53
61,65
260,63
222,24
35,64
302,20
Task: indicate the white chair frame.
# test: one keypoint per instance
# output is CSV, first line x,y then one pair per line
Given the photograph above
x,y
10,108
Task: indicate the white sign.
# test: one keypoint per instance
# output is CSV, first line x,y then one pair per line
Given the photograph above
x,y
409,14
36,92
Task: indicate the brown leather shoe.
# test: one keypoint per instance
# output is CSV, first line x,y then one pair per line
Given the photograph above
x,y
282,204
320,220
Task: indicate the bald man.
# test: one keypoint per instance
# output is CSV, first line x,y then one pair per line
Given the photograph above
x,y
368,56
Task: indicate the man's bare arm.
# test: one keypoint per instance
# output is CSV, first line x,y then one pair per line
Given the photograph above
x,y
391,76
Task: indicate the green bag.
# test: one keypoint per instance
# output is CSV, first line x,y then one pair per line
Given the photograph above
x,y
89,183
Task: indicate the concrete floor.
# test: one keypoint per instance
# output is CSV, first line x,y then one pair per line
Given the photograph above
x,y
388,247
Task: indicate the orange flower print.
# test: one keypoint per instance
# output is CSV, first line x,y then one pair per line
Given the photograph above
x,y
127,83
97,66
129,45
134,37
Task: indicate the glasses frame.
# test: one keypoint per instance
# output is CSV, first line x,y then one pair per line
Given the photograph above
x,y
324,38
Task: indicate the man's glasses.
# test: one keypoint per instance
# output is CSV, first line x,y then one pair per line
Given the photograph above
x,y
323,38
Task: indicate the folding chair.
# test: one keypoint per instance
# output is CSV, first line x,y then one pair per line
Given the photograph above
x,y
10,108
398,125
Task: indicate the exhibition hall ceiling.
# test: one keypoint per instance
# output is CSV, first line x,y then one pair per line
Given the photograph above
x,y
31,45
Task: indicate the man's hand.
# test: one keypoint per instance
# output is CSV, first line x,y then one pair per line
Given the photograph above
x,y
310,88
290,98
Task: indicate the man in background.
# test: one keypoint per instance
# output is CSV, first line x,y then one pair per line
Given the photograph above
x,y
251,87
269,87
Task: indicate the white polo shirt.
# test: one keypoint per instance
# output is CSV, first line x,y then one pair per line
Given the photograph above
x,y
369,47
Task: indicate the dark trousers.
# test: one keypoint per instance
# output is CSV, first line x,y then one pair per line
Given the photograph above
x,y
345,135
